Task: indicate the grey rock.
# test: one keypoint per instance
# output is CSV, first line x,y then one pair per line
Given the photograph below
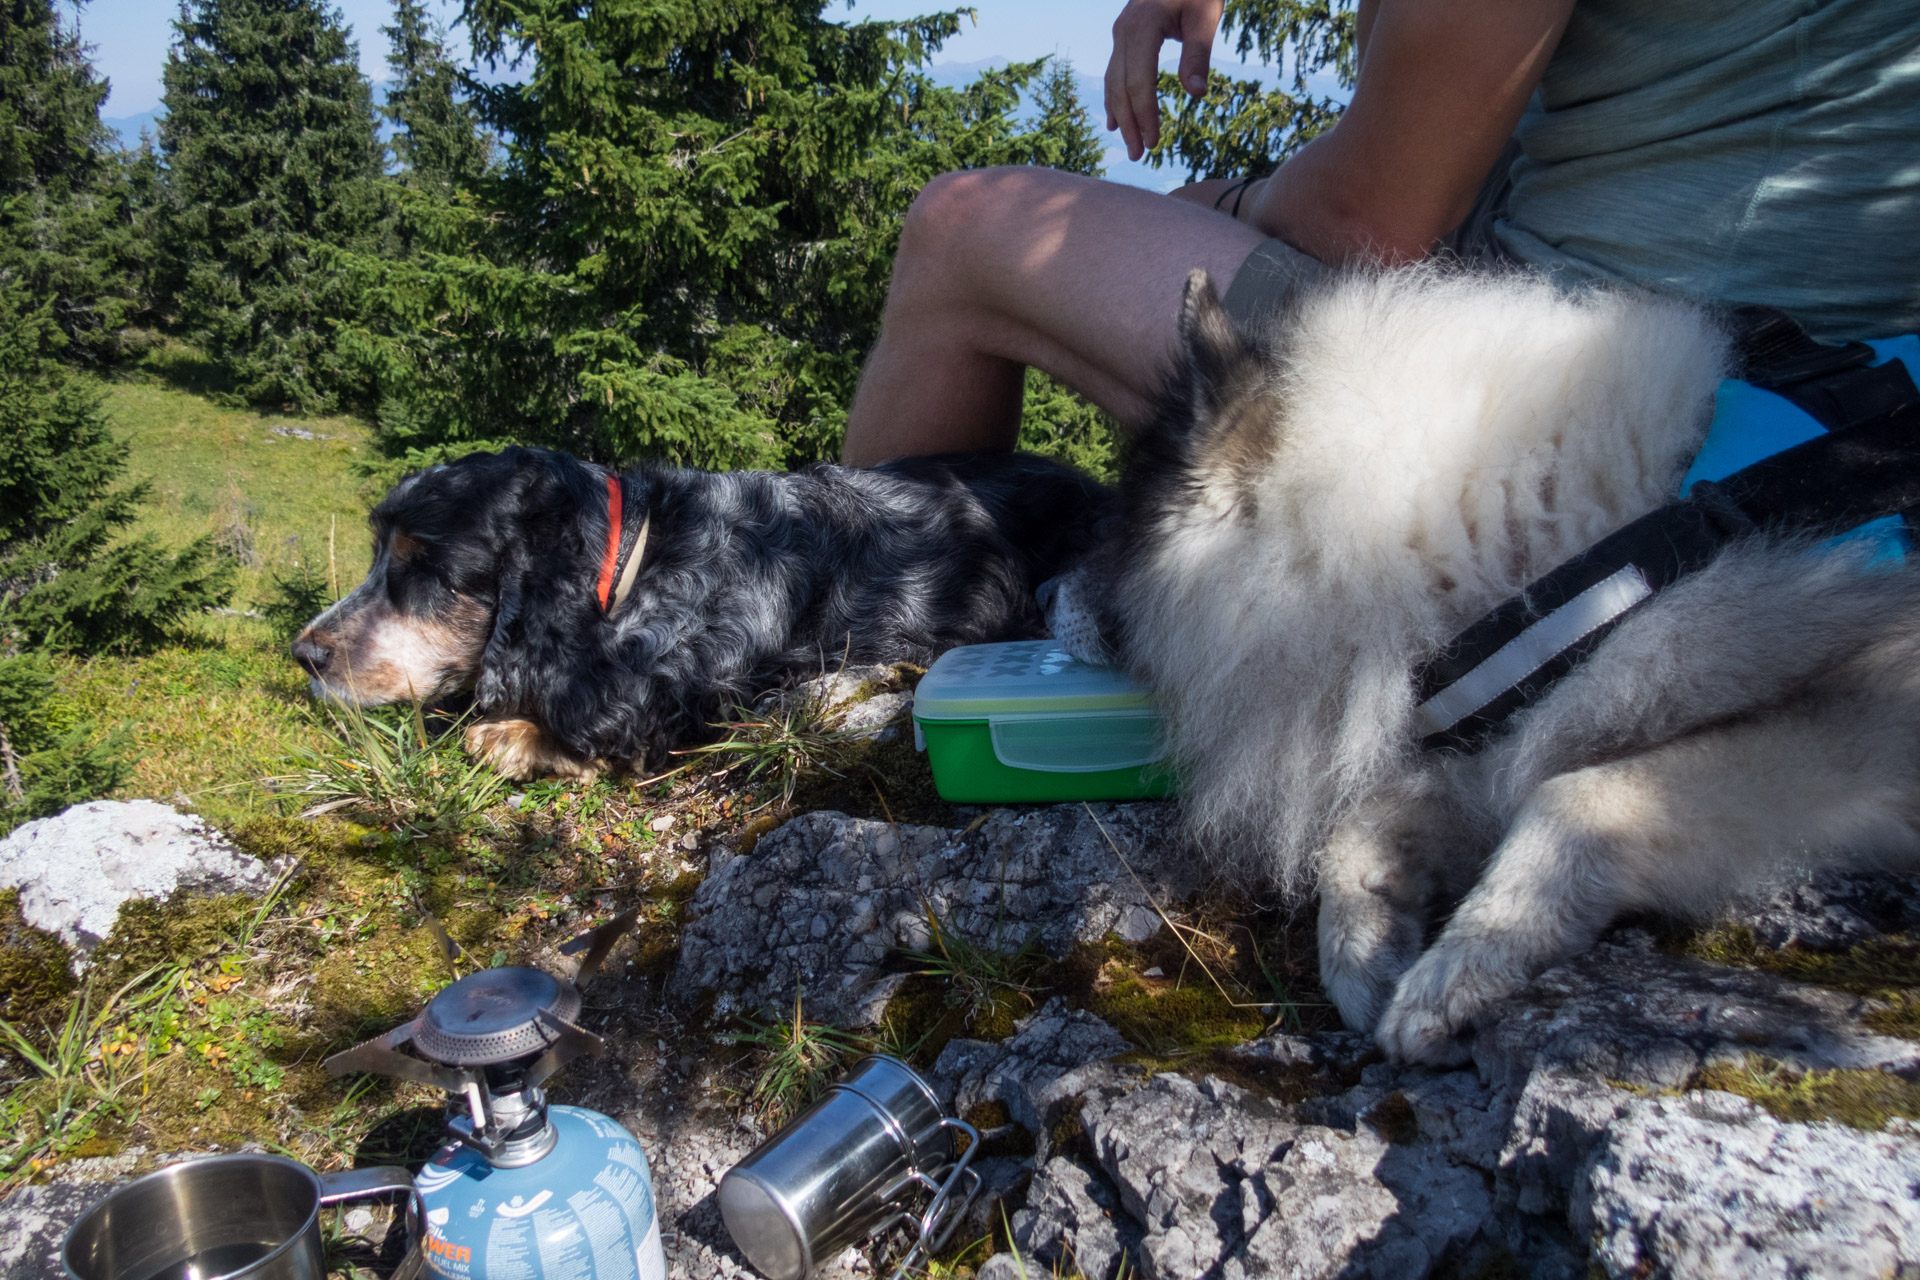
x,y
1353,1204
1321,1051
874,716
821,901
34,1221
1073,1224
1831,911
74,869
1556,1122
1227,1183
1181,1155
1054,1055
1007,1266
1710,1186
1454,1112
1625,1011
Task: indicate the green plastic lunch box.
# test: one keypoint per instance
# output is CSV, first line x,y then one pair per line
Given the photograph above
x,y
1025,721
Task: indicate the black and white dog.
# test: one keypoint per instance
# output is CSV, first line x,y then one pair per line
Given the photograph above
x,y
602,619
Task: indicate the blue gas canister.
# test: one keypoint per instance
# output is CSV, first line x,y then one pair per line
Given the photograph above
x,y
525,1190
585,1209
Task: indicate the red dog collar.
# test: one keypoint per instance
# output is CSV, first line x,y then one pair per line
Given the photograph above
x,y
612,558
611,596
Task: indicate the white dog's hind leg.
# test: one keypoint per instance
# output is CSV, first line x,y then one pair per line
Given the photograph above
x,y
1679,829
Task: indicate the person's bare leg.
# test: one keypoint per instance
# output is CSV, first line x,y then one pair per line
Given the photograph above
x,y
1003,268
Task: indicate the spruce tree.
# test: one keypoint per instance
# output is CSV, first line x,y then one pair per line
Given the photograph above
x,y
66,206
1241,128
1065,128
437,140
68,580
272,158
685,250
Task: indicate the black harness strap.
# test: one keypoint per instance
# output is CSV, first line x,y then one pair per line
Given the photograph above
x,y
1865,467
1837,386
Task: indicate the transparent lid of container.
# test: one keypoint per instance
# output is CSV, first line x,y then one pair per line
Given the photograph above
x,y
981,680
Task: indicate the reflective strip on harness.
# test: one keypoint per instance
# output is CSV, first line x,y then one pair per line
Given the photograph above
x,y
1533,649
1856,462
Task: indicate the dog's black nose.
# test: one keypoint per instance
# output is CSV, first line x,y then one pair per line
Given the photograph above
x,y
1045,592
312,656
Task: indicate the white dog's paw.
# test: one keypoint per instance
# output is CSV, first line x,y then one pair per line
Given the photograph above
x,y
1366,943
1360,980
1431,1016
522,750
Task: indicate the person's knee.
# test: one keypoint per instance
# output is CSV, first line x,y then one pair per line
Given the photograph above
x,y
959,219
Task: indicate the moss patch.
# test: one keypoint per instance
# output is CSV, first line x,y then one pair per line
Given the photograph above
x,y
1168,1015
1885,969
1862,1099
35,981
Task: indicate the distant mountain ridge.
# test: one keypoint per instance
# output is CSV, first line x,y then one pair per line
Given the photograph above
x,y
128,127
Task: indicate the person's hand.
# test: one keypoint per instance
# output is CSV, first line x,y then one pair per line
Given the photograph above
x,y
1133,101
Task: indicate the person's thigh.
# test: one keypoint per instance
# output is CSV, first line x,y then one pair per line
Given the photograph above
x,y
1079,277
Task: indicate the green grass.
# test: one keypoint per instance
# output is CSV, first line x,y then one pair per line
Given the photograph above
x,y
213,714
224,472
386,764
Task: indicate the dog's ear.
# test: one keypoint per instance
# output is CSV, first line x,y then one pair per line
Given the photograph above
x,y
1215,351
547,657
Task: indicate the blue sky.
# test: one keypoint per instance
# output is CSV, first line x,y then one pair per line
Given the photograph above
x,y
130,39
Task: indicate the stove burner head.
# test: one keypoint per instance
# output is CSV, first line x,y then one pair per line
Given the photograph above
x,y
493,1017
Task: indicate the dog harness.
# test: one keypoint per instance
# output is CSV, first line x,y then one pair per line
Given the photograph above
x,y
1812,438
612,596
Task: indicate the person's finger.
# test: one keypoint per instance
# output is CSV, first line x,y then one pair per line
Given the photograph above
x,y
1117,114
1143,92
1136,44
1196,56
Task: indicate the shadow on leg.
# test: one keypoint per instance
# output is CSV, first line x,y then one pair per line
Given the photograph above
x,y
1677,830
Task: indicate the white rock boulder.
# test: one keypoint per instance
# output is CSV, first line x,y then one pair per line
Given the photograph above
x,y
73,870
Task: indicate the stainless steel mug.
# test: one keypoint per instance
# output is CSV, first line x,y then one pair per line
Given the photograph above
x,y
248,1217
847,1167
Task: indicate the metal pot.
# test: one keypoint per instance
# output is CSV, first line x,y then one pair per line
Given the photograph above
x,y
845,1168
245,1217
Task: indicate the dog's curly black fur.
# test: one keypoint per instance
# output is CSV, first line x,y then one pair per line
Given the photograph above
x,y
485,577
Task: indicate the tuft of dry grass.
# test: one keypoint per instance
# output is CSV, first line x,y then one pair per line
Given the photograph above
x,y
385,763
791,736
797,1060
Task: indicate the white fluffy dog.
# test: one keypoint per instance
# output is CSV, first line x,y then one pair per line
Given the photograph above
x,y
1323,506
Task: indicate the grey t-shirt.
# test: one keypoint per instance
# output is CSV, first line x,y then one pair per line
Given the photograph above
x,y
1732,151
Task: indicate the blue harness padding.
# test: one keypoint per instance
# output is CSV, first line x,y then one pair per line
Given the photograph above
x,y
1751,423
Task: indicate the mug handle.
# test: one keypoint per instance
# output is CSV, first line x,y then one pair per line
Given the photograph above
x,y
361,1184
933,1230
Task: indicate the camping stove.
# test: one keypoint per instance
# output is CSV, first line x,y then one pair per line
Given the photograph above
x,y
525,1189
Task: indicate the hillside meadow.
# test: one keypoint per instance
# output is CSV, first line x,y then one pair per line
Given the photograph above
x,y
203,1023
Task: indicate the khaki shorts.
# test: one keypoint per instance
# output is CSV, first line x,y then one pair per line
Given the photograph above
x,y
1275,268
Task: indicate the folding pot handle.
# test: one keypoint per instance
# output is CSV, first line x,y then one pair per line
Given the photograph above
x,y
364,1184
943,1212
